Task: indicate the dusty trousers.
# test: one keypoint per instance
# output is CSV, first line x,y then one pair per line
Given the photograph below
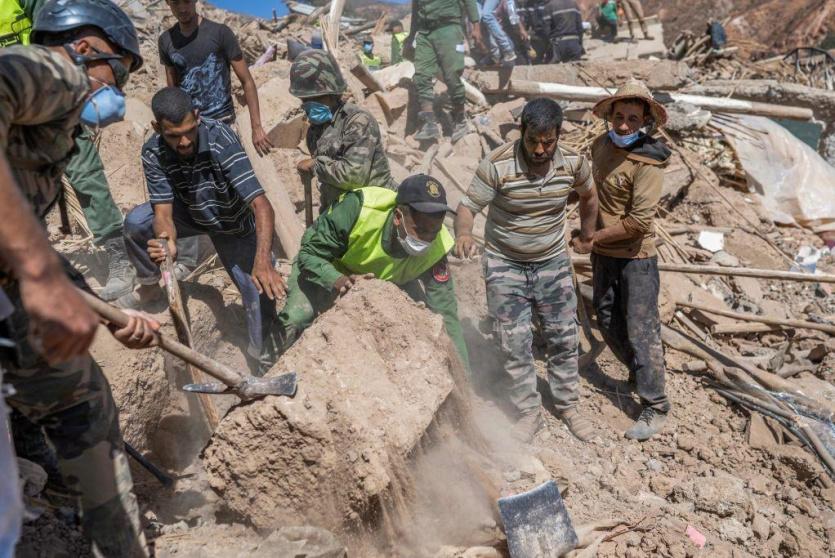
x,y
515,291
73,406
440,50
626,303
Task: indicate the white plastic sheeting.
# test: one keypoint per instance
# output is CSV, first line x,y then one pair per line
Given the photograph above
x,y
796,184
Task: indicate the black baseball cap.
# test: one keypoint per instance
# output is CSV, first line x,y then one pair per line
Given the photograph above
x,y
424,194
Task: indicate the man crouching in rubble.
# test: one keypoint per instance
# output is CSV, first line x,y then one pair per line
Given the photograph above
x,y
526,184
346,149
628,171
201,181
375,232
82,55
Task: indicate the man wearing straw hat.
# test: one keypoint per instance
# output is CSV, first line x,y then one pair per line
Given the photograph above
x,y
628,172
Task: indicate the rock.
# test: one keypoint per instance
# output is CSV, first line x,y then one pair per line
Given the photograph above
x,y
469,147
723,495
357,392
760,526
759,434
309,542
662,485
731,529
725,259
481,552
654,465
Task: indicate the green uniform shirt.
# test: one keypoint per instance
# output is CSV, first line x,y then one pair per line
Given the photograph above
x,y
327,240
429,14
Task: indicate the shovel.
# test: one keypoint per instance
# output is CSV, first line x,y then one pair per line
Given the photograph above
x,y
537,524
245,387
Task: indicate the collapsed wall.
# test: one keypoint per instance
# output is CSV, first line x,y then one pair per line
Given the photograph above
x,y
375,373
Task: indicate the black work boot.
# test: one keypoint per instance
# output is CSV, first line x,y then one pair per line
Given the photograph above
x,y
120,272
430,129
460,124
649,423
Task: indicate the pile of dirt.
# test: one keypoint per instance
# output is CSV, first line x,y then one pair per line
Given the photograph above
x,y
376,372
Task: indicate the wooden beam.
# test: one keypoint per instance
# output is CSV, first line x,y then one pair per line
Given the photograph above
x,y
583,261
334,16
717,104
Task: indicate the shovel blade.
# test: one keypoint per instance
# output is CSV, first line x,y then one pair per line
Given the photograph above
x,y
251,387
537,524
259,387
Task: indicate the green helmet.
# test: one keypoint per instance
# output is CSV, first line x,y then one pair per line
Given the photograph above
x,y
313,74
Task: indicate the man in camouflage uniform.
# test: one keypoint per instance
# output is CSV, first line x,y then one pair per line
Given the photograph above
x,y
374,232
91,48
343,139
526,184
84,171
436,45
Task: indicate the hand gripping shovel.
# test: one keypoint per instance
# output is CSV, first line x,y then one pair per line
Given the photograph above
x,y
537,524
245,387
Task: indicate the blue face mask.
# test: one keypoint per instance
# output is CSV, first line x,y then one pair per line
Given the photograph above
x,y
368,49
317,113
104,107
624,141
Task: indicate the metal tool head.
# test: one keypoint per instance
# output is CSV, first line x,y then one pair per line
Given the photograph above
x,y
536,523
251,387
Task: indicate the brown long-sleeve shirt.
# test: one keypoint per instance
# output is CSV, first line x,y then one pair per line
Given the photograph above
x,y
629,184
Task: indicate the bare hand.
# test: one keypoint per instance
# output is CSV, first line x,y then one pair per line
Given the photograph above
x,y
61,322
261,142
344,283
305,165
523,34
465,247
267,280
157,250
581,245
140,331
476,35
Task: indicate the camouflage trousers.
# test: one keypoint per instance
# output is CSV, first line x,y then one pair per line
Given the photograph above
x,y
73,405
515,291
626,303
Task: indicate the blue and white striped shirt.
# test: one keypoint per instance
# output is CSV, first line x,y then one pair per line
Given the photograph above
x,y
216,186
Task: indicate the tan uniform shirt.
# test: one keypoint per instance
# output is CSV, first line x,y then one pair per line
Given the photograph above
x,y
629,188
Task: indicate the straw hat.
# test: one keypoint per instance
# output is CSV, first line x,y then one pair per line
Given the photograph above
x,y
632,89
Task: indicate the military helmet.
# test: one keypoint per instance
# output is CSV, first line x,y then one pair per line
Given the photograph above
x,y
313,74
59,16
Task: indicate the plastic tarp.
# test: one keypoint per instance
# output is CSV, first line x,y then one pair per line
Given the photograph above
x,y
796,184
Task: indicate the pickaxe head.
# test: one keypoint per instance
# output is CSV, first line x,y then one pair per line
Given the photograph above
x,y
251,387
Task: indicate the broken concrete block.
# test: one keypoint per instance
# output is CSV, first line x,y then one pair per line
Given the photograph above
x,y
373,396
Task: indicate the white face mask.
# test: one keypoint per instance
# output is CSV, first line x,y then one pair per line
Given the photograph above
x,y
625,140
411,245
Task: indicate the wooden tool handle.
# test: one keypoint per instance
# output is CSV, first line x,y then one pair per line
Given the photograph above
x,y
204,363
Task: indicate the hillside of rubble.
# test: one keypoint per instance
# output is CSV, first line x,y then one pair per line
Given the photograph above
x,y
390,450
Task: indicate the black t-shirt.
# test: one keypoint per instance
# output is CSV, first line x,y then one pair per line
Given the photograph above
x,y
202,62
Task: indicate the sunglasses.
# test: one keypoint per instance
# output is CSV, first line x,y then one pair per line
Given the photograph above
x,y
120,71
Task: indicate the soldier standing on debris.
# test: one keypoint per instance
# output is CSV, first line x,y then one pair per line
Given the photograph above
x,y
526,267
90,47
84,171
343,139
201,181
436,44
398,39
634,12
375,232
628,171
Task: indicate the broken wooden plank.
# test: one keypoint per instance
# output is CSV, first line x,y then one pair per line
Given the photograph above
x,y
772,320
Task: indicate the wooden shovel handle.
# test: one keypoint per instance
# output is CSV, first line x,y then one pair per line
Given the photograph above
x,y
204,363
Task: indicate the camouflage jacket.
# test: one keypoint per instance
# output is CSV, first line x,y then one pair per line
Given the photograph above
x,y
349,151
41,97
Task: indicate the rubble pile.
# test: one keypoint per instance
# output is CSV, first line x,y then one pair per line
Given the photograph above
x,y
744,467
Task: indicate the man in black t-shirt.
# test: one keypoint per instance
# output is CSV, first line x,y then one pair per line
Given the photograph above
x,y
197,54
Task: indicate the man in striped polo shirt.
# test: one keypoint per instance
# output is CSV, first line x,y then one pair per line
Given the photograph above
x,y
526,267
200,181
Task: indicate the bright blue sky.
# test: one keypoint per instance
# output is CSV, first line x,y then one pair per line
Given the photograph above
x,y
262,8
